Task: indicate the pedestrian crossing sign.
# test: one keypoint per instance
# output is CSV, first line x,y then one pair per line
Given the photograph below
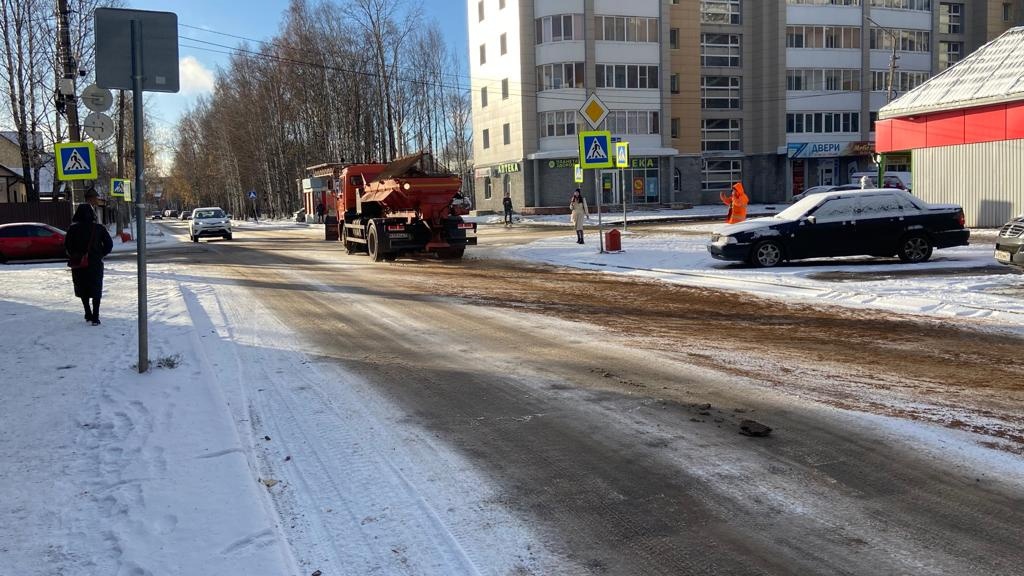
x,y
76,160
119,187
595,149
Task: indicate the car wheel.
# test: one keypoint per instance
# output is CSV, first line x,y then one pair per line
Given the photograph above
x,y
227,236
373,245
766,254
3,259
915,248
195,238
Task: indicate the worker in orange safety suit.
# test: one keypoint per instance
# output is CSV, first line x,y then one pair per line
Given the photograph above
x,y
737,203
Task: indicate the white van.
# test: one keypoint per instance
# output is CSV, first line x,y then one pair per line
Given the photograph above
x,y
901,180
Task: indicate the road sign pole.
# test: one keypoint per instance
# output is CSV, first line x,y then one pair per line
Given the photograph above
x,y
622,190
600,230
139,194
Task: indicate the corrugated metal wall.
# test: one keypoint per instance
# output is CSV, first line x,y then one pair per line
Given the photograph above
x,y
986,179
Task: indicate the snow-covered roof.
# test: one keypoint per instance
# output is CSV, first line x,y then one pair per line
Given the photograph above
x,y
993,74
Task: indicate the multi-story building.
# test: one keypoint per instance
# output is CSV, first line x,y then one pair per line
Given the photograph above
x,y
778,94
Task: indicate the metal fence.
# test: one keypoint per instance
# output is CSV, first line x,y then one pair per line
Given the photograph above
x,y
56,214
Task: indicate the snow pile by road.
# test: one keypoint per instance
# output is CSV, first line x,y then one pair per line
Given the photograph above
x,y
237,453
962,283
616,217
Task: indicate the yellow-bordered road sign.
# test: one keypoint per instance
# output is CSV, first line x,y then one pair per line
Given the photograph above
x,y
577,171
595,149
622,154
119,186
75,160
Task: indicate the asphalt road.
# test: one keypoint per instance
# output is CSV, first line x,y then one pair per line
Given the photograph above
x,y
608,410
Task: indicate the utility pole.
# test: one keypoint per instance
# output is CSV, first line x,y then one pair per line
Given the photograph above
x,y
889,91
67,84
120,159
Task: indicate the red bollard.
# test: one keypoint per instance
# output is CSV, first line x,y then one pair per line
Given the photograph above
x,y
613,240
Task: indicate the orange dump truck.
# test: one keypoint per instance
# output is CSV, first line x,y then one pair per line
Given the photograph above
x,y
404,207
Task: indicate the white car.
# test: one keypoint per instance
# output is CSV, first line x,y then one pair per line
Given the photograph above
x,y
210,221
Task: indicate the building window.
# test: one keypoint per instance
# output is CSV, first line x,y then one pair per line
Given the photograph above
x,y
506,185
627,76
674,128
823,80
558,123
950,53
483,97
677,179
673,83
720,50
720,175
720,92
560,28
951,18
626,29
487,187
823,123
487,139
720,134
504,89
506,134
480,10
844,37
504,44
673,38
561,75
920,5
483,53
904,81
720,11
1007,11
872,119
632,122
908,40
826,2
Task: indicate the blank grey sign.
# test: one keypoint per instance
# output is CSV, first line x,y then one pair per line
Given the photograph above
x,y
159,33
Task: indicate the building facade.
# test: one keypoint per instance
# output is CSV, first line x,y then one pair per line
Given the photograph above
x,y
779,94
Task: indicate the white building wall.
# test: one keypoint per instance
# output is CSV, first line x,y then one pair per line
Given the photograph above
x,y
552,7
986,179
497,67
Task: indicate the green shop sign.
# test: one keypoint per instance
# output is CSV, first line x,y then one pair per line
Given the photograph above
x,y
643,162
508,168
563,163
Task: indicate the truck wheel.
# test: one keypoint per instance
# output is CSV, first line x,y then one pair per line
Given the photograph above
x,y
350,247
451,253
372,244
915,248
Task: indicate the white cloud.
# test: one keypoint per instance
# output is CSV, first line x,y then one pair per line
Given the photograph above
x,y
195,78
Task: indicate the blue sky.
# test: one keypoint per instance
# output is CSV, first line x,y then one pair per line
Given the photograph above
x,y
259,19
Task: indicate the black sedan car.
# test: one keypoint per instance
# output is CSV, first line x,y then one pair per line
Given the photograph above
x,y
875,222
1010,243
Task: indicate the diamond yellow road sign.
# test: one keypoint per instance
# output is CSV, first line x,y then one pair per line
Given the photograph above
x,y
594,111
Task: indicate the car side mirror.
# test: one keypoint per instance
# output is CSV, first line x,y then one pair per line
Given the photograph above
x,y
811,220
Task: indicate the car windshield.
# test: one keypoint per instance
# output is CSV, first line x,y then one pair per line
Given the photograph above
x,y
209,214
800,207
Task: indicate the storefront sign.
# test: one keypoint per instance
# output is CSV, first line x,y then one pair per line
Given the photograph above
x,y
638,186
643,162
562,163
828,149
508,168
482,172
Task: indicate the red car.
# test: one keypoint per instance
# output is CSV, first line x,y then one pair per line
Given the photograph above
x,y
30,241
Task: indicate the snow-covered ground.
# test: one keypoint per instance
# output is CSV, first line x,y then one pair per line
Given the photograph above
x,y
962,283
182,470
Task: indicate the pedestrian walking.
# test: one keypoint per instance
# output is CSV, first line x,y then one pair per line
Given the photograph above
x,y
87,243
507,203
320,213
578,213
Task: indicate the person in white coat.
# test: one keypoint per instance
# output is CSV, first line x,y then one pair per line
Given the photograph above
x,y
578,213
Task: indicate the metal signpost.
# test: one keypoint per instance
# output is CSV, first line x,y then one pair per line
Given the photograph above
x,y
137,50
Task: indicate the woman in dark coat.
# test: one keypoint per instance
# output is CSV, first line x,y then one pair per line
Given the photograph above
x,y
87,236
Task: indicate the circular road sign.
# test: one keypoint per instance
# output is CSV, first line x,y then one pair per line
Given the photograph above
x,y
97,99
98,126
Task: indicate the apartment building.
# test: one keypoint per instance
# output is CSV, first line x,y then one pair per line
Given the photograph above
x,y
779,94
